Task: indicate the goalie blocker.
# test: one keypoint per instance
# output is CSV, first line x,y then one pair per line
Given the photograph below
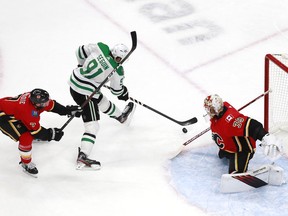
x,y
265,175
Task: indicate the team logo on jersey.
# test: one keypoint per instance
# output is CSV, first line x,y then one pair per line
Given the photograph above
x,y
229,118
218,140
238,122
35,113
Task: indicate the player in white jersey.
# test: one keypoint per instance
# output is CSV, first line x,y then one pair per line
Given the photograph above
x,y
95,63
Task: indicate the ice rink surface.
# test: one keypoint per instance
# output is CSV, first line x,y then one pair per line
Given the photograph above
x,y
186,50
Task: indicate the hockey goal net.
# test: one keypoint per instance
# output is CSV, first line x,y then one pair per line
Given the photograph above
x,y
276,102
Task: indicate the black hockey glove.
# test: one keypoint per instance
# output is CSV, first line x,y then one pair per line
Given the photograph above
x,y
55,134
125,95
74,110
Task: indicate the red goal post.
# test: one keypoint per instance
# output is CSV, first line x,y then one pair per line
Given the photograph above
x,y
276,103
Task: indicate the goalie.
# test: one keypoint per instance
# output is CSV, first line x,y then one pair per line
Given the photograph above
x,y
235,134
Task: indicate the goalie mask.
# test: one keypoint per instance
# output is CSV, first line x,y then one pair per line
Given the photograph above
x,y
39,98
119,52
213,105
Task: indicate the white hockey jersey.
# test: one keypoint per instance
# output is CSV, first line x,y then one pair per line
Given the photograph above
x,y
95,64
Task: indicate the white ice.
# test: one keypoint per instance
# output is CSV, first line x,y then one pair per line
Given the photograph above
x,y
186,50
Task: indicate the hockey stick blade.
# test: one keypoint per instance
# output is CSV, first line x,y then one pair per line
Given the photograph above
x,y
188,122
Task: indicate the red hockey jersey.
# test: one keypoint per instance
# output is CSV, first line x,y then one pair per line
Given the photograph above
x,y
231,131
22,109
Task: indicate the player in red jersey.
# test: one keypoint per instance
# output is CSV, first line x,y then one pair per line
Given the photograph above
x,y
236,134
20,120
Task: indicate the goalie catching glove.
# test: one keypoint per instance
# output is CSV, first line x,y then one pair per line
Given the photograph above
x,y
272,147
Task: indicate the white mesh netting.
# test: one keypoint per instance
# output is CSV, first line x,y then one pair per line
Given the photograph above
x,y
278,98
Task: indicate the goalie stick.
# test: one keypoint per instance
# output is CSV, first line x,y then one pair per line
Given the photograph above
x,y
182,123
208,129
134,45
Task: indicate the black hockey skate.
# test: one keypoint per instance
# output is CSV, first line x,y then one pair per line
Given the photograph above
x,y
128,111
29,169
83,162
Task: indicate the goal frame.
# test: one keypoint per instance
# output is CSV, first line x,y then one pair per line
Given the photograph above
x,y
270,58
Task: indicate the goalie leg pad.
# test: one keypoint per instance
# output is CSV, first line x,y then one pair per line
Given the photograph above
x,y
239,182
267,174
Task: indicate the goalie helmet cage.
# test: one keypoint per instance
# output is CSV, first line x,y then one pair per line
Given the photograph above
x,y
276,103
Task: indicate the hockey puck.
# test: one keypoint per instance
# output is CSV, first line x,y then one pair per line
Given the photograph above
x,y
184,130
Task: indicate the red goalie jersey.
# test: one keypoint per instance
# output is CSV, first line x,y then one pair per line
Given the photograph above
x,y
230,131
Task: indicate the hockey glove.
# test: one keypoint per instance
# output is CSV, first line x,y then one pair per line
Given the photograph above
x,y
74,110
55,134
125,95
272,147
